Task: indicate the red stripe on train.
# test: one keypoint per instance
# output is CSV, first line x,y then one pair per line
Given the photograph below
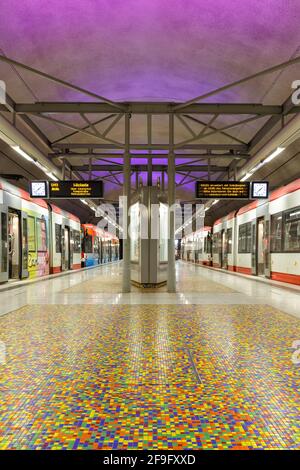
x,y
76,266
283,277
241,270
55,269
289,188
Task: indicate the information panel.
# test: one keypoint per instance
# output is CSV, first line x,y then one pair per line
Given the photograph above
x,y
222,189
75,189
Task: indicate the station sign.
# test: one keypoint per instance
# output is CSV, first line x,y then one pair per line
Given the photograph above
x,y
68,189
222,190
75,189
232,190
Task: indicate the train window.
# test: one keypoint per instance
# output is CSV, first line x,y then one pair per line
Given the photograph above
x,y
41,234
199,242
31,234
3,242
276,233
87,244
216,243
96,244
57,238
77,244
208,243
292,230
245,238
229,240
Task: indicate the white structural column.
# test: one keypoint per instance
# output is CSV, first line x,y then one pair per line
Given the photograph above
x,y
127,194
171,283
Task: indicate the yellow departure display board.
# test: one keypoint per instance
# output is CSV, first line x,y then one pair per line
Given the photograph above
x,y
75,189
222,190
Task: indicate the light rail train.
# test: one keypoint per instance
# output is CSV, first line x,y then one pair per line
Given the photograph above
x,y
38,238
260,239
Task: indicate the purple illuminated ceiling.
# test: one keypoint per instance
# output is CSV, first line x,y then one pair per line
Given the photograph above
x,y
150,50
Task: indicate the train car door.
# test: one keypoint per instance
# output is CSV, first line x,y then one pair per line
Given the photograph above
x,y
3,244
65,248
71,245
267,252
99,250
24,245
62,234
253,248
219,245
224,260
14,245
260,246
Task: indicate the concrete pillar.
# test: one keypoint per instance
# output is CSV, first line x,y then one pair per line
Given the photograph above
x,y
126,284
171,281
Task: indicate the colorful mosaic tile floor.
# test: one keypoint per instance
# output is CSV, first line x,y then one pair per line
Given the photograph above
x,y
153,377
113,284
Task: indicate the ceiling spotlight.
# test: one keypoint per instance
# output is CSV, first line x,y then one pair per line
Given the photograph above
x,y
22,153
246,177
51,175
274,154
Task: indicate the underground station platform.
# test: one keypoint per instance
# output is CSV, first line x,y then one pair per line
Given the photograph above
x,y
149,232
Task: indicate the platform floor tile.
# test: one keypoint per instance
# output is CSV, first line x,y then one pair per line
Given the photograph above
x,y
149,377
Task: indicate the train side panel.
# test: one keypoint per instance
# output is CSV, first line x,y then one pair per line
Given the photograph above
x,y
285,237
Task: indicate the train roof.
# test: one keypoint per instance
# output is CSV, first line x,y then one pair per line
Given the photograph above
x,y
21,193
229,216
275,194
287,189
58,210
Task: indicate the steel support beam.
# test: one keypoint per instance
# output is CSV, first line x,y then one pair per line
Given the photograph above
x,y
59,81
213,128
102,156
140,168
201,135
126,284
137,107
149,134
83,129
199,146
270,124
273,69
80,130
171,280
